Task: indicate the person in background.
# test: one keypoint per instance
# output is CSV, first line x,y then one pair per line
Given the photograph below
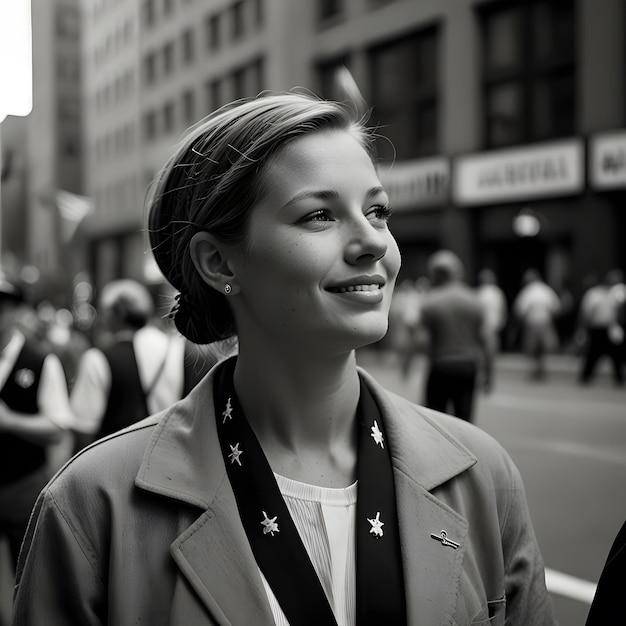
x,y
600,331
494,303
402,317
139,369
460,349
34,414
536,307
289,487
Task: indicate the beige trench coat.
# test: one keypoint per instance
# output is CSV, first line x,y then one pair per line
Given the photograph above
x,y
143,528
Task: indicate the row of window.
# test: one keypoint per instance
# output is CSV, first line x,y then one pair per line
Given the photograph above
x,y
528,80
118,90
114,43
100,7
243,16
116,143
330,11
176,114
162,62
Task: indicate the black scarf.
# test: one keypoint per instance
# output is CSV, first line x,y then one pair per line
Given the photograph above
x,y
274,538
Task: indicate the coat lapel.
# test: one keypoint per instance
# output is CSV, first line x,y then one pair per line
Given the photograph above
x,y
184,462
215,558
432,570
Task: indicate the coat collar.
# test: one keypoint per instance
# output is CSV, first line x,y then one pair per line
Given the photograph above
x,y
183,461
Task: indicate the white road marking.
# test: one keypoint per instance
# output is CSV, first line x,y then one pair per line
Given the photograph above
x,y
601,453
549,405
570,586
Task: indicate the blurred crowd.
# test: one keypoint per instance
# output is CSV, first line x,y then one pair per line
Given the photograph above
x,y
537,322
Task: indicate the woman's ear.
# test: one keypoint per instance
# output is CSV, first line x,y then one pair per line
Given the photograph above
x,y
209,257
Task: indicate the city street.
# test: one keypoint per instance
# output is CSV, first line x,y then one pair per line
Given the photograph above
x,y
569,443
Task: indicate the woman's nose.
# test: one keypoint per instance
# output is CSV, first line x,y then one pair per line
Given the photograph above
x,y
366,243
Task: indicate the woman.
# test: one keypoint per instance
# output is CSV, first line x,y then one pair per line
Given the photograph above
x,y
288,487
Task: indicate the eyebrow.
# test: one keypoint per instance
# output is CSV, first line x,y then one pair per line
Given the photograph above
x,y
328,194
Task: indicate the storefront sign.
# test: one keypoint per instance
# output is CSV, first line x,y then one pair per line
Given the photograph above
x,y
607,160
519,174
417,184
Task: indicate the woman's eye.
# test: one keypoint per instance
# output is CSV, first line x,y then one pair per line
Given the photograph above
x,y
321,215
381,212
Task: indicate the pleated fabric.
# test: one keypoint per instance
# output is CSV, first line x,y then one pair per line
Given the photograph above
x,y
325,519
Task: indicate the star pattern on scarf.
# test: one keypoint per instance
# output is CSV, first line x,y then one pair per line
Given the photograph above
x,y
377,435
227,414
235,453
269,524
377,526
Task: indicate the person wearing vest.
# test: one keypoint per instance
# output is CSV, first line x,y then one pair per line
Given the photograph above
x,y
34,413
138,369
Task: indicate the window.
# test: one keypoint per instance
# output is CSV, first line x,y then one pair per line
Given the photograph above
x,y
168,58
257,70
258,13
239,83
169,119
188,46
149,12
237,19
189,107
529,71
150,125
404,95
328,9
149,68
247,81
212,32
327,78
214,95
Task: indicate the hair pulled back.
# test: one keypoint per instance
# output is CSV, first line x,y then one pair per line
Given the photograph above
x,y
210,183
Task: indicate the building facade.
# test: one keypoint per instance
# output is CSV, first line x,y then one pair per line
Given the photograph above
x,y
501,121
42,154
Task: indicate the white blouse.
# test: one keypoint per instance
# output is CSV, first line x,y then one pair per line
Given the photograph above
x,y
325,519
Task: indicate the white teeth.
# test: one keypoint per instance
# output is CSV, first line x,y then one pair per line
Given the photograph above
x,y
349,288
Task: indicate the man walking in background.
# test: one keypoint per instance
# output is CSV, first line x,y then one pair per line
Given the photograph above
x,y
137,370
536,307
459,348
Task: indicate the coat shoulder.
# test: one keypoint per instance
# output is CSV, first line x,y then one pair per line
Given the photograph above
x,y
109,463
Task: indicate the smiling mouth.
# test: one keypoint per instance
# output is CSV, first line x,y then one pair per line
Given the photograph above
x,y
351,288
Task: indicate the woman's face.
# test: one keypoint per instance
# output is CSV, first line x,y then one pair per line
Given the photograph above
x,y
320,265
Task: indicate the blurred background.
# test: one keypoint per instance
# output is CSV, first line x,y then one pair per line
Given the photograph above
x,y
506,121
502,137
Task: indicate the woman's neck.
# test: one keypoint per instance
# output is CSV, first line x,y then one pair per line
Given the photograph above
x,y
302,410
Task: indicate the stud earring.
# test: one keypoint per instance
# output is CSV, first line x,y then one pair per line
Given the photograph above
x,y
227,288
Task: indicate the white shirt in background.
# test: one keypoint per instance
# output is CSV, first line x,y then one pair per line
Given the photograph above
x,y
93,382
52,397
